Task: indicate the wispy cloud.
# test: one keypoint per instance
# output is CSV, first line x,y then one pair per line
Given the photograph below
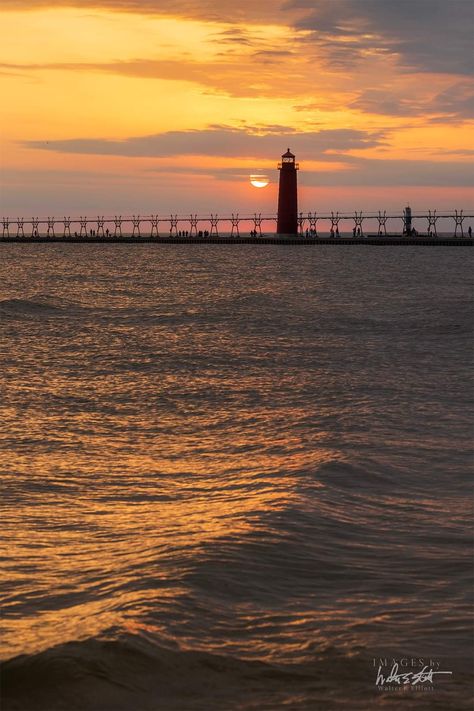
x,y
220,141
326,146
211,10
372,172
456,102
251,76
426,35
358,172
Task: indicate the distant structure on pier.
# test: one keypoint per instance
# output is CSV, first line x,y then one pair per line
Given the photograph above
x,y
407,228
287,221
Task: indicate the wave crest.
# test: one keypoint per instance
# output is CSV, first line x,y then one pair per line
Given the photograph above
x,y
133,673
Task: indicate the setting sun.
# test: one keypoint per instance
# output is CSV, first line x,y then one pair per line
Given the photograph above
x,y
259,181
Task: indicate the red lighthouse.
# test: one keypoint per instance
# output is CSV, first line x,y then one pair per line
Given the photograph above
x,y
288,196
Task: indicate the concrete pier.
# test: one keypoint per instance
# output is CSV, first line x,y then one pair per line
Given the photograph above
x,y
372,240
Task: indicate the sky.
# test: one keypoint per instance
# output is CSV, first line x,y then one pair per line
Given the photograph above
x,y
168,106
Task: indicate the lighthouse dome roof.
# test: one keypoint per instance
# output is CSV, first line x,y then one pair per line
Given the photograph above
x,y
288,154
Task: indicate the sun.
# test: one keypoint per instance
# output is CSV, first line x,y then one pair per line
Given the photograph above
x,y
259,181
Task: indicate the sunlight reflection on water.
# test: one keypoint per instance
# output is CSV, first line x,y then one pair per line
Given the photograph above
x,y
261,454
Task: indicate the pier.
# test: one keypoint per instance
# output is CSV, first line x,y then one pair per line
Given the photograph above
x,y
427,228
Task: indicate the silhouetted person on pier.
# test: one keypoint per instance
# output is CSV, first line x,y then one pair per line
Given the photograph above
x,y
353,231
469,232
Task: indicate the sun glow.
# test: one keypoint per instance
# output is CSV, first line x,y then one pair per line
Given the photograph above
x,y
259,181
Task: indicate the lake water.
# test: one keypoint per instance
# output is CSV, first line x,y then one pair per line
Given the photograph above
x,y
235,476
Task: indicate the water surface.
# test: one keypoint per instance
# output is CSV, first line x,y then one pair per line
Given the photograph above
x,y
234,475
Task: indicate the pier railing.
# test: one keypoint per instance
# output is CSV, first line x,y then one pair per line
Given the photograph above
x,y
310,224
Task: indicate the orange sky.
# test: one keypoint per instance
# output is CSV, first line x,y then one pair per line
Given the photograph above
x,y
161,106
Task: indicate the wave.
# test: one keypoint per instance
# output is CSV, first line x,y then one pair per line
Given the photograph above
x,y
39,305
47,305
133,673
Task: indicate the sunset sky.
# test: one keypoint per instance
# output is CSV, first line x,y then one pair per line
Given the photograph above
x,y
169,105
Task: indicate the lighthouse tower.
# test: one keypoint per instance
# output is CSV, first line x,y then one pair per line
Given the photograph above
x,y
288,196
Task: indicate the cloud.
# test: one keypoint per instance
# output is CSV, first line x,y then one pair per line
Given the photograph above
x,y
263,11
456,102
244,76
233,36
272,56
325,146
220,141
372,172
455,151
358,173
388,102
426,35
362,38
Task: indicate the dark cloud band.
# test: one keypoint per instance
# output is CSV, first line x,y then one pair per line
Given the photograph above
x,y
326,146
220,141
